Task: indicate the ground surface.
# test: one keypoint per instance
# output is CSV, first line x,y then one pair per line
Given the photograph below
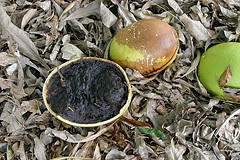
x,y
37,36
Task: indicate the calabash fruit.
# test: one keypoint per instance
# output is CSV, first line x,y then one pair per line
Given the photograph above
x,y
214,62
148,46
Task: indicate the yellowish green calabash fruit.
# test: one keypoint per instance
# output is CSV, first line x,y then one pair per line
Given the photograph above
x,y
148,46
214,62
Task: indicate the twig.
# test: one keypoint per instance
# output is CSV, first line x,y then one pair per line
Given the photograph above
x,y
61,77
134,122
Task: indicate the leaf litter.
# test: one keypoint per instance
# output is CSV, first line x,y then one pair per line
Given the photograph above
x,y
37,37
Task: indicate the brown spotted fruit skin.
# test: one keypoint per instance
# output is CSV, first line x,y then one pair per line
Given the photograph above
x,y
148,46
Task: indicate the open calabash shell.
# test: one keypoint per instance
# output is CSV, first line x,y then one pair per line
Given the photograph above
x,y
148,46
121,112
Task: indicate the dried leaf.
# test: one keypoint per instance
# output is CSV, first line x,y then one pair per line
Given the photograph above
x,y
13,119
150,95
221,117
43,118
71,52
76,25
6,59
66,39
54,31
26,61
20,77
141,145
58,8
125,14
45,5
64,135
10,154
175,151
226,127
26,18
16,127
225,77
55,50
69,7
87,150
115,154
15,147
202,88
203,154
96,49
202,16
21,151
39,149
97,153
134,75
26,46
228,13
46,139
99,133
155,118
4,84
92,9
218,153
231,90
12,68
17,92
173,4
230,35
187,84
197,30
30,106
232,96
193,65
143,12
238,29
108,18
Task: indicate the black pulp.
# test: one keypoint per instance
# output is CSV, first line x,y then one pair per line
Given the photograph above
x,y
92,91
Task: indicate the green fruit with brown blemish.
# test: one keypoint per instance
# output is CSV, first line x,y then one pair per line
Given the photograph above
x,y
148,46
214,62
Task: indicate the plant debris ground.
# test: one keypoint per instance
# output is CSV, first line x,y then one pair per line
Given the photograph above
x,y
39,35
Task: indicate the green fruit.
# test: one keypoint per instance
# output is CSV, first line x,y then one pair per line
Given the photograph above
x,y
148,46
214,62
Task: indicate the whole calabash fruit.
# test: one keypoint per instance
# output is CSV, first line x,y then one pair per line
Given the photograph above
x,y
87,92
213,64
148,46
